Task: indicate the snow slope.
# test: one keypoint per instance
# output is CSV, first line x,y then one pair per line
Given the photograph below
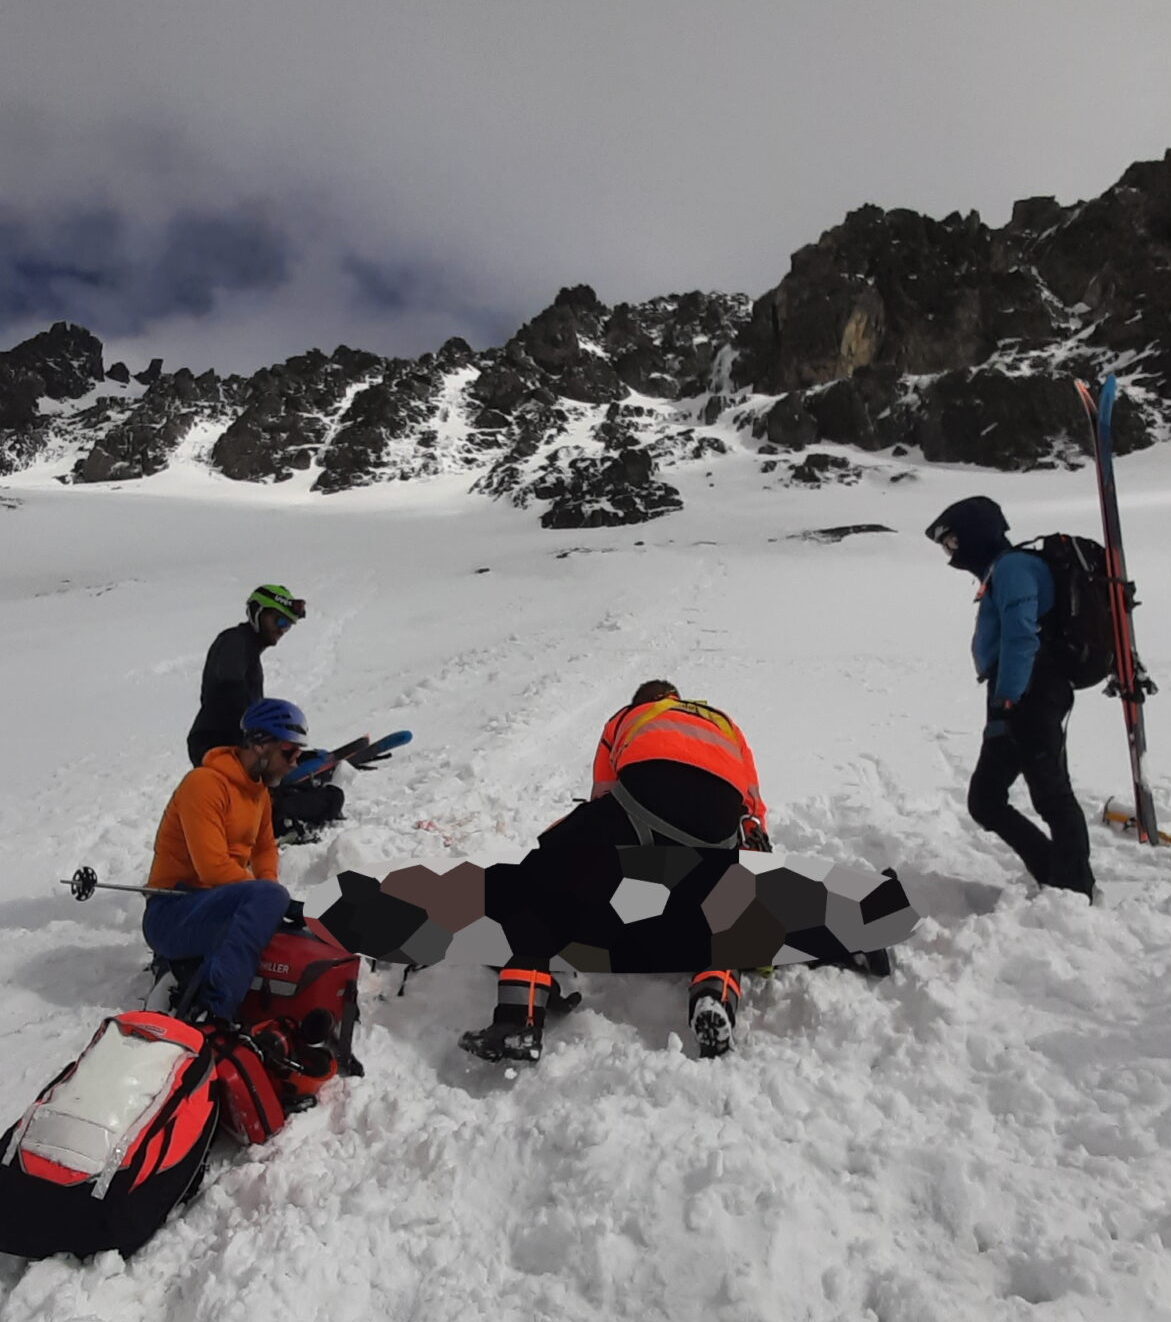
x,y
982,1136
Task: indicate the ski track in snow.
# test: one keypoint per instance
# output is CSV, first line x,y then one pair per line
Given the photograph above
x,y
983,1135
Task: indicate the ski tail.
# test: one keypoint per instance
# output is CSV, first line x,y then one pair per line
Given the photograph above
x,y
1120,818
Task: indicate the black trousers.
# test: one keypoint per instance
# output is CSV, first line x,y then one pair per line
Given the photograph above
x,y
561,891
1029,741
305,804
310,803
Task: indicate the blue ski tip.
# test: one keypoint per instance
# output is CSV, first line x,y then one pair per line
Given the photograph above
x,y
1106,400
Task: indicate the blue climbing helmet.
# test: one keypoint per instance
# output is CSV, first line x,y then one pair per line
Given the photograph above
x,y
274,718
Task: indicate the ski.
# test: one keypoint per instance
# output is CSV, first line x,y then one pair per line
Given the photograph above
x,y
379,750
1129,680
362,753
325,759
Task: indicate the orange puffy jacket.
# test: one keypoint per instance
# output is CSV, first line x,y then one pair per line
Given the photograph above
x,y
674,730
216,829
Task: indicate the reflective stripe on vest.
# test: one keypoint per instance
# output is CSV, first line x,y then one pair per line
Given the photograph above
x,y
685,724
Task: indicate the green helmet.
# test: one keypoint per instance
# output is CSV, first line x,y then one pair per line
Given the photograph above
x,y
273,596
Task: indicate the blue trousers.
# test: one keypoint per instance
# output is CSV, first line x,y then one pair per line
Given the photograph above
x,y
227,925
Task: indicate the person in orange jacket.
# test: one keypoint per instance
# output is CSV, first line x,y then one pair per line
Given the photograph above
x,y
215,843
667,771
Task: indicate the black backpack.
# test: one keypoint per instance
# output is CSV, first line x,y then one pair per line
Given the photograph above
x,y
1078,633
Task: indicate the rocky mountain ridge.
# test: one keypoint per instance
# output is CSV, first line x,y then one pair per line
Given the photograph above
x,y
893,330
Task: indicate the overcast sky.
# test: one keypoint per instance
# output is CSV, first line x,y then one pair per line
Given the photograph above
x,y
227,182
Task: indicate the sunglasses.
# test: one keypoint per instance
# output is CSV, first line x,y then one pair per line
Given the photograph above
x,y
943,536
292,753
283,622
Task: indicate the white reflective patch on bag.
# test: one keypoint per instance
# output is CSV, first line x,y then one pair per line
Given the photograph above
x,y
274,986
90,1120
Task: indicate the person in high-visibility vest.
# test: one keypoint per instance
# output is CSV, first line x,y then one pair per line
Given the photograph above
x,y
667,771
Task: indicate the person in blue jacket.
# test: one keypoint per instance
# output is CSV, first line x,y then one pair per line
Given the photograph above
x,y
1029,700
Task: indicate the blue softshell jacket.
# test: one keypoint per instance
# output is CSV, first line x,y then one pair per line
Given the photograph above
x,y
1016,592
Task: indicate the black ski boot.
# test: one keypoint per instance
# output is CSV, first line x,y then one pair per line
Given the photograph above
x,y
875,963
560,1004
504,1041
712,1006
712,1024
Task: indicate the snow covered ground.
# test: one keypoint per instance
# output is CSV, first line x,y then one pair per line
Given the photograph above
x,y
982,1136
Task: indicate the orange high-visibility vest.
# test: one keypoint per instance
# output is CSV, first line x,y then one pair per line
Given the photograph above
x,y
675,730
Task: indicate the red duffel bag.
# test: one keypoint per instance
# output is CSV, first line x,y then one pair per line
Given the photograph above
x,y
305,972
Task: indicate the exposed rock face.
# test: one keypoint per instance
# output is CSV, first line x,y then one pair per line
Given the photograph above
x,y
1060,292
144,440
892,289
288,411
151,374
392,426
67,359
603,490
892,330
830,535
62,363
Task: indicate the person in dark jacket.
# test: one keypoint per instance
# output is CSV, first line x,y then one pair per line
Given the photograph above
x,y
1029,699
233,679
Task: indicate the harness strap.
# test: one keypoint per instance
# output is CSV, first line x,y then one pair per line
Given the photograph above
x,y
647,825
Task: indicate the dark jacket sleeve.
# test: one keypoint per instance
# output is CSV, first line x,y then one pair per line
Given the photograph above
x,y
230,674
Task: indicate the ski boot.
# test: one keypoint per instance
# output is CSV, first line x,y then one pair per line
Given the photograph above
x,y
504,1041
712,1024
560,1004
172,980
875,963
715,996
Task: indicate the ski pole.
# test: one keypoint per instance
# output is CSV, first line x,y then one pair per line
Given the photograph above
x,y
85,881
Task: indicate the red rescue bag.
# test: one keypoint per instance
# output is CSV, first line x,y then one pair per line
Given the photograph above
x,y
303,970
251,1109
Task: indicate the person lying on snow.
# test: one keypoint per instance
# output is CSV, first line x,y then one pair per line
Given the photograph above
x,y
232,680
215,843
666,772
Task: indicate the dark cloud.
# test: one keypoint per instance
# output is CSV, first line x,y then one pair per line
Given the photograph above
x,y
114,276
203,254
53,268
245,179
387,288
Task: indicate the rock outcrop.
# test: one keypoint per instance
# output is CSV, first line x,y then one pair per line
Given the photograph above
x,y
892,330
